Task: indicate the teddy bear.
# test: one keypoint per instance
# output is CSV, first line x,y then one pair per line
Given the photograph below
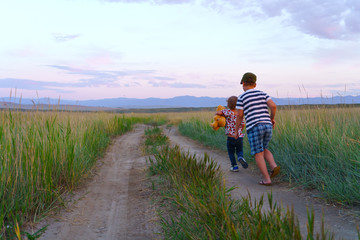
x,y
219,121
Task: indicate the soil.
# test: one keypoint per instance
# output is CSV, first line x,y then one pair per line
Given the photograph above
x,y
116,202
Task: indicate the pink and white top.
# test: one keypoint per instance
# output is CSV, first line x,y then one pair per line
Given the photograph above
x,y
231,122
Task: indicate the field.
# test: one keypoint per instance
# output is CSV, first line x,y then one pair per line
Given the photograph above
x,y
318,148
47,154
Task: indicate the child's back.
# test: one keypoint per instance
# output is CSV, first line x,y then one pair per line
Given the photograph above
x,y
233,144
253,104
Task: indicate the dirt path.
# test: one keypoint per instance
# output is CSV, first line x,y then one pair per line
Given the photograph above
x,y
115,204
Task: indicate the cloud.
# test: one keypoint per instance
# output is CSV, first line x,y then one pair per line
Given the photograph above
x,y
186,85
28,84
59,37
71,70
174,1
327,19
171,82
97,78
164,78
100,77
175,85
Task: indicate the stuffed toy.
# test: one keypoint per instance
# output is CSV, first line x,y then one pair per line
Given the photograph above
x,y
219,121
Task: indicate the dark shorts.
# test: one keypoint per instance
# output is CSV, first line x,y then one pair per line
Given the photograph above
x,y
259,137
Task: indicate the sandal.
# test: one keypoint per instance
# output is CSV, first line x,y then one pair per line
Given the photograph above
x,y
275,171
264,183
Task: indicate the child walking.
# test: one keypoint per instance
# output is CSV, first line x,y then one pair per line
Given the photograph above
x,y
254,105
234,145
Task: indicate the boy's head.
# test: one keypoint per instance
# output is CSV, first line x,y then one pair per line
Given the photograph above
x,y
231,102
248,79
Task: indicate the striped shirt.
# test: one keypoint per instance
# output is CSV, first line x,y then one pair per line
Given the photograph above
x,y
253,103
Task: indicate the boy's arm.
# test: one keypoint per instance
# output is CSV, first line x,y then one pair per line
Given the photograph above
x,y
272,107
239,118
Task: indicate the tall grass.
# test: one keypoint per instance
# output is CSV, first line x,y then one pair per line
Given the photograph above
x,y
202,132
197,205
173,118
155,139
317,148
45,154
320,149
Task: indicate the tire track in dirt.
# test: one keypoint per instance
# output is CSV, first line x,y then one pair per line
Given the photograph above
x,y
115,203
342,222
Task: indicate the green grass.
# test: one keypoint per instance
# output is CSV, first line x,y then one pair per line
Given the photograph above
x,y
203,133
195,203
320,149
154,140
44,155
316,148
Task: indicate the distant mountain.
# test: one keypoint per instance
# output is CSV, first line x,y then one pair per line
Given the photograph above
x,y
176,102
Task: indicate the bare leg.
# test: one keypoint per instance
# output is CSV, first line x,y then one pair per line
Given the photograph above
x,y
270,159
260,161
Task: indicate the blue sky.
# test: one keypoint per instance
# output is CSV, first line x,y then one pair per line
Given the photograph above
x,y
94,49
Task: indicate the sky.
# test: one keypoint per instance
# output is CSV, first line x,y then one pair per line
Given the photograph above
x,y
95,49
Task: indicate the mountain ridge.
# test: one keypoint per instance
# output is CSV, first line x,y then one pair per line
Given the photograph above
x,y
175,102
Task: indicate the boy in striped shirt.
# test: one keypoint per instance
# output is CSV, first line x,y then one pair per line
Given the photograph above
x,y
253,104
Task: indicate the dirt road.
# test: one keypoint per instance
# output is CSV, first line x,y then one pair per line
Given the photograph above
x,y
115,204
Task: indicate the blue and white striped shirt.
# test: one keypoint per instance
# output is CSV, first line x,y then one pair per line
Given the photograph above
x,y
253,102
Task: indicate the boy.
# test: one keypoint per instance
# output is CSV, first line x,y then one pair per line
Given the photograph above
x,y
259,123
233,144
